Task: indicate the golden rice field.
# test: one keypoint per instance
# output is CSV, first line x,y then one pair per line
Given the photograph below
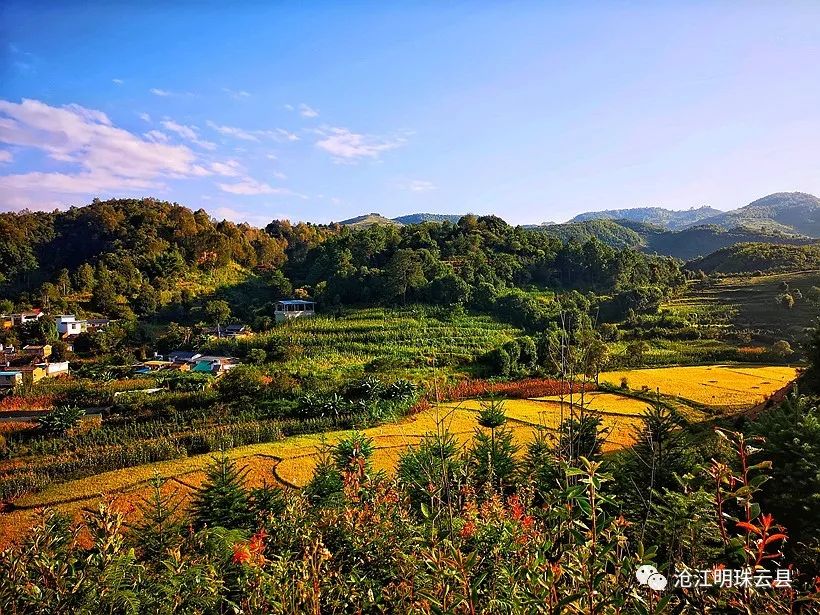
x,y
725,387
291,461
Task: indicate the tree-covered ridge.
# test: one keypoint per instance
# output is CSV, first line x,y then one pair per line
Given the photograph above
x,y
138,239
612,233
751,257
659,216
121,256
790,212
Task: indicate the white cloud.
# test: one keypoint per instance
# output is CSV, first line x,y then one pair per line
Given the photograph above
x,y
349,147
187,132
248,186
236,94
101,157
306,111
118,81
159,92
230,168
232,131
5,156
145,117
156,136
417,185
279,175
282,134
289,107
279,134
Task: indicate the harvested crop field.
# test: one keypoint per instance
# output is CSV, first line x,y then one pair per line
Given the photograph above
x,y
731,388
291,462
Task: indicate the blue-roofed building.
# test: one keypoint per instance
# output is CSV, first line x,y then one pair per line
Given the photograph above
x,y
288,309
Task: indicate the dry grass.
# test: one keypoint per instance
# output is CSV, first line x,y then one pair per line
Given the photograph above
x,y
724,387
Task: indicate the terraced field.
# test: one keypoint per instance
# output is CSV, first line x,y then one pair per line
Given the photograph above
x,y
291,462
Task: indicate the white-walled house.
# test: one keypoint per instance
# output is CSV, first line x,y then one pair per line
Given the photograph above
x,y
294,308
67,324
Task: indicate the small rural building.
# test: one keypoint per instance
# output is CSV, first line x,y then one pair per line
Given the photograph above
x,y
42,352
288,309
67,324
183,356
33,373
26,317
213,365
57,369
10,379
95,324
237,330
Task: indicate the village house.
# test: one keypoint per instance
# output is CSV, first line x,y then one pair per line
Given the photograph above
x,y
67,324
10,379
96,324
183,356
289,309
38,352
213,365
26,317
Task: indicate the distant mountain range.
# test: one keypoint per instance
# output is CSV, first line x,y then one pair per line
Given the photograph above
x,y
788,218
794,213
666,218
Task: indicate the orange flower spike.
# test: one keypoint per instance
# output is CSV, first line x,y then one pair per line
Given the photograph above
x,y
241,554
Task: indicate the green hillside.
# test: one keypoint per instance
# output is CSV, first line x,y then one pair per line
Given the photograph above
x,y
611,233
791,212
750,257
367,220
659,216
419,218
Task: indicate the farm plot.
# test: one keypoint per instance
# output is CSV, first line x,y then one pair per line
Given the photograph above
x,y
729,388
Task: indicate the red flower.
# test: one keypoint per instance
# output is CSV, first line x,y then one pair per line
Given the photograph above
x,y
468,531
241,553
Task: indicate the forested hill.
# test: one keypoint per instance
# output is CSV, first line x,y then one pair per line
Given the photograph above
x,y
157,259
751,257
659,216
685,244
791,212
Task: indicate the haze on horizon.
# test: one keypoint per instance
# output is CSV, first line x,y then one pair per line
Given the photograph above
x,y
531,111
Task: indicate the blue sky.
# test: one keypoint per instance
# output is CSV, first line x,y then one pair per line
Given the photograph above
x,y
323,111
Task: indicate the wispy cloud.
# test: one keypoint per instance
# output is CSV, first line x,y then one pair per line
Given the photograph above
x,y
306,111
159,92
236,94
417,185
350,147
191,133
102,158
230,168
22,61
251,187
117,81
233,131
145,117
157,136
278,134
5,156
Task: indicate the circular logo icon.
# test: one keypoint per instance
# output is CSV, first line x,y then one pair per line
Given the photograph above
x,y
648,575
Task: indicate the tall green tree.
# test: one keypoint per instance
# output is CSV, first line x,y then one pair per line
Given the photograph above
x,y
222,500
